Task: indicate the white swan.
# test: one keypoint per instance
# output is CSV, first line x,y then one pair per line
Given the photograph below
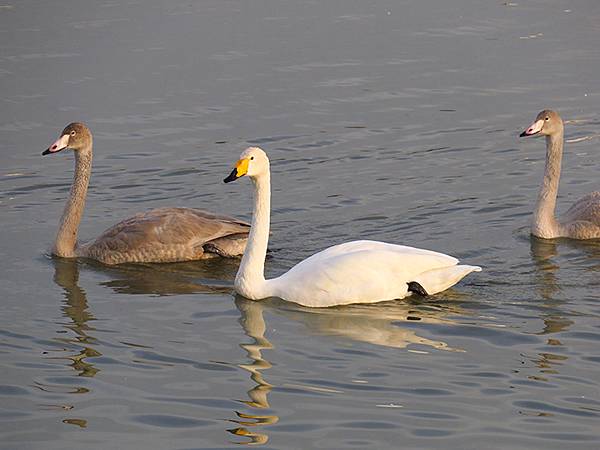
x,y
354,272
582,220
159,235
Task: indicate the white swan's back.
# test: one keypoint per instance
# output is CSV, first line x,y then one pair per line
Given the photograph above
x,y
364,272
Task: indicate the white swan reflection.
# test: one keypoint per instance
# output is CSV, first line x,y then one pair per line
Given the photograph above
x,y
378,324
253,322
381,324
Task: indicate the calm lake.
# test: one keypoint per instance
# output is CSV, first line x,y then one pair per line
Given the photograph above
x,y
386,120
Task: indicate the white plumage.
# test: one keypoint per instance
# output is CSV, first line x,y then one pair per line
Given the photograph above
x,y
353,272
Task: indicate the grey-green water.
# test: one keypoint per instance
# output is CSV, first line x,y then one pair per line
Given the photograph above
x,y
386,120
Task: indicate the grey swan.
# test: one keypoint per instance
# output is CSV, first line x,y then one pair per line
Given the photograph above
x,y
157,236
582,219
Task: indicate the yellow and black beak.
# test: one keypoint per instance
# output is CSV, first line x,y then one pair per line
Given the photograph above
x,y
241,169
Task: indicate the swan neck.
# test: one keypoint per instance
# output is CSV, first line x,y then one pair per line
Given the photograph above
x,y
250,279
66,238
544,221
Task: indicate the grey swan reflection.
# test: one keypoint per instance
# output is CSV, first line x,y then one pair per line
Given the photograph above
x,y
377,324
552,307
75,307
544,253
192,277
80,347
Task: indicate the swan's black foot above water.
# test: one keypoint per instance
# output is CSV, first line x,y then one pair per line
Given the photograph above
x,y
415,287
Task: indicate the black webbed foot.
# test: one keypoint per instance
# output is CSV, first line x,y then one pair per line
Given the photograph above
x,y
415,287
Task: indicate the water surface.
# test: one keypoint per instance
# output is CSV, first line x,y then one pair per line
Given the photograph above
x,y
386,120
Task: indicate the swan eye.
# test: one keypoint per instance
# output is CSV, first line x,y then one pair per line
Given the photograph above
x,y
252,158
547,118
73,133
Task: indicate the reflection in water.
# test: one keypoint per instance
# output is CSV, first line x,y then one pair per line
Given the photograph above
x,y
170,279
75,307
253,323
66,275
378,324
158,279
547,363
542,252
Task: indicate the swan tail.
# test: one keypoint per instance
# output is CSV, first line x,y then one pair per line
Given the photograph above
x,y
438,280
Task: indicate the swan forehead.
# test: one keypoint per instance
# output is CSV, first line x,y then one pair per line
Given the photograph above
x,y
257,152
547,113
78,127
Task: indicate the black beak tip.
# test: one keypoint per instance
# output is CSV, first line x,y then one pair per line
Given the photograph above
x,y
46,152
523,134
232,176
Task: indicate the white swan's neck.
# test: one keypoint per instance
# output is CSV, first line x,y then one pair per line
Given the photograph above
x,y
66,238
544,223
250,279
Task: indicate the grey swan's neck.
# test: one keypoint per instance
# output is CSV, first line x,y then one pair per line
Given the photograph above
x,y
66,239
544,223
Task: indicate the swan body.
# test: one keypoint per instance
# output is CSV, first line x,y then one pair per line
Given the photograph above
x,y
159,235
366,272
168,235
353,272
582,219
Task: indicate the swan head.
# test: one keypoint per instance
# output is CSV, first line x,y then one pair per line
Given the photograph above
x,y
76,136
253,162
547,123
